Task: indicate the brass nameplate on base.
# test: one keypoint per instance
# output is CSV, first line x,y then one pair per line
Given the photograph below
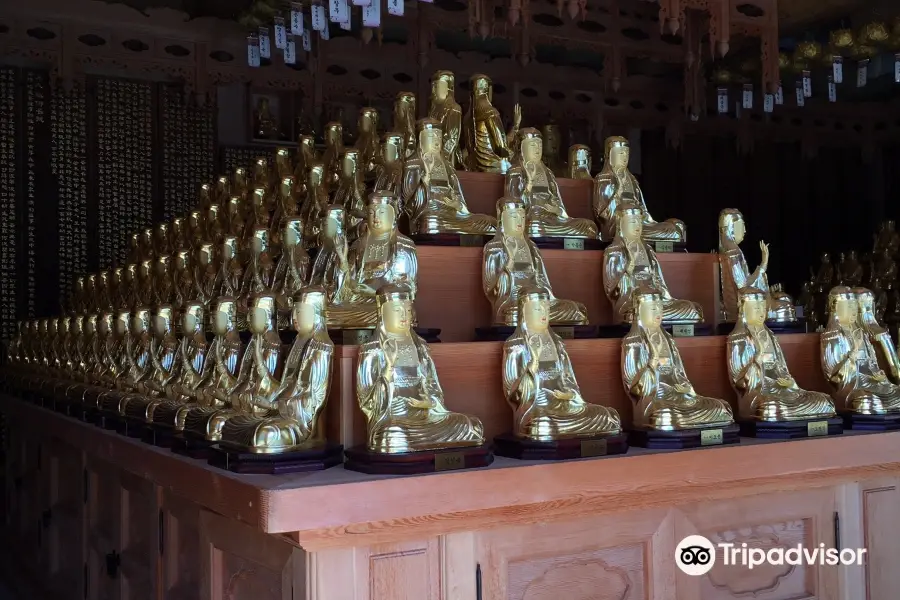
x,y
817,428
573,244
711,437
449,461
683,330
664,247
593,448
566,333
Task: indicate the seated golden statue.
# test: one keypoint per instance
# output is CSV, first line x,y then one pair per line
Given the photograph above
x,y
367,141
825,275
351,191
314,205
334,148
383,255
265,125
536,185
887,239
886,267
307,156
398,389
878,335
293,423
432,195
579,166
759,372
260,272
614,185
552,144
390,169
165,369
135,363
331,266
631,265
654,376
405,122
485,143
539,382
735,274
852,270
513,262
850,363
292,270
444,109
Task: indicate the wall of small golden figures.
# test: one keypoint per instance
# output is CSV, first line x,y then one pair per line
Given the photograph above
x,y
82,166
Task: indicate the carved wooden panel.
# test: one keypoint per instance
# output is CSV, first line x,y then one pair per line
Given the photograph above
x,y
409,571
764,522
181,565
138,542
881,515
24,497
619,557
63,520
103,518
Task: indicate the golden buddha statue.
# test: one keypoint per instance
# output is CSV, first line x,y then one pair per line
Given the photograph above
x,y
260,273
291,422
614,185
331,265
205,275
886,266
258,215
205,195
334,149
161,239
161,280
850,362
382,256
735,274
185,287
285,207
351,191
630,266
222,190
511,263
283,165
265,126
240,182
579,163
486,144
233,217
878,335
655,379
536,185
852,270
90,292
390,169
432,195
135,363
307,155
231,268
405,121
398,389
444,109
759,372
314,205
887,238
165,368
825,274
292,270
367,141
552,145
539,381
179,236
147,243
215,225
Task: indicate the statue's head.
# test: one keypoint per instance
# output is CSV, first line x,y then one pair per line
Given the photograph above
x,y
843,304
147,239
531,145
282,156
222,185
442,84
481,86
865,299
293,232
368,120
392,147
240,178
308,308
630,220
382,217
395,307
511,216
163,266
76,324
90,324
430,135
195,221
140,320
261,317
315,175
286,188
349,162
534,309
307,144
260,167
826,258
753,306
334,220
205,193
182,260
53,326
552,138
616,152
580,156
43,326
891,225
162,321
405,105
177,230
90,284
212,214
648,308
258,199
334,133
259,243
229,247
225,317
106,324
852,256
192,318
162,235
731,225
206,254
122,324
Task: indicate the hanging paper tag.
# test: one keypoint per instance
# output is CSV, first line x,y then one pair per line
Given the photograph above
x,y
280,33
779,95
325,34
371,14
837,69
897,68
807,84
265,47
296,18
395,7
362,2
723,100
862,73
769,103
307,42
318,17
290,51
747,97
253,51
832,89
801,97
345,25
338,11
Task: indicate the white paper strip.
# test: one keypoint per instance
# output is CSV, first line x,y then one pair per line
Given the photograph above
x,y
862,73
832,89
307,41
325,34
319,21
296,18
747,97
371,14
801,97
779,95
345,25
722,100
290,52
395,7
769,103
807,84
252,51
897,68
280,33
362,2
837,69
338,11
265,46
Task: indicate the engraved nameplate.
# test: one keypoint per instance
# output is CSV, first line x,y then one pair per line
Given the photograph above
x,y
470,240
664,247
683,330
566,333
711,437
449,461
573,244
593,448
817,428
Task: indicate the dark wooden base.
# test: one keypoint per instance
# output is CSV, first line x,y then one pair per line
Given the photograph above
x,y
563,243
158,436
313,459
789,430
356,337
857,422
686,330
777,328
192,448
450,239
687,438
363,460
514,447
500,333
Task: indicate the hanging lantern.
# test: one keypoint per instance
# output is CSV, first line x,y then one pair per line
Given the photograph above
x,y
841,39
873,33
807,51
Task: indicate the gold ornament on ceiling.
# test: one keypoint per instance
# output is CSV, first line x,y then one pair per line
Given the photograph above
x,y
784,61
872,34
841,39
809,50
722,76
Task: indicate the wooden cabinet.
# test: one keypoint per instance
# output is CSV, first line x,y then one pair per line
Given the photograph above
x,y
880,529
179,526
63,521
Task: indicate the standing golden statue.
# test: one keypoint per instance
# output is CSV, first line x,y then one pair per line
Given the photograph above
x,y
540,387
399,393
432,195
878,335
351,191
735,274
770,402
485,143
551,148
334,148
536,185
631,267
579,163
511,263
390,169
862,390
367,141
444,109
405,121
667,410
614,185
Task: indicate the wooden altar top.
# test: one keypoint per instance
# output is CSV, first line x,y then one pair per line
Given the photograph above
x,y
336,508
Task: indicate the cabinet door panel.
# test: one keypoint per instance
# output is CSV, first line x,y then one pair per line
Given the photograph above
x,y
881,537
181,557
138,538
64,524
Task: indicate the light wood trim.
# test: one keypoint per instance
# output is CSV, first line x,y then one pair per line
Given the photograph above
x,y
848,502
